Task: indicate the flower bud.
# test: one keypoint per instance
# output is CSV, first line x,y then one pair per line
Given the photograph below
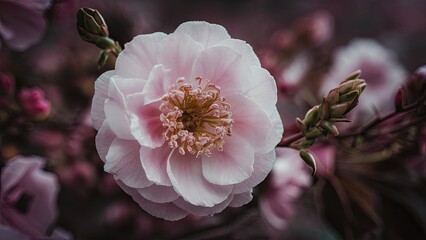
x,y
353,76
333,96
309,159
7,84
339,110
330,127
311,117
93,29
34,103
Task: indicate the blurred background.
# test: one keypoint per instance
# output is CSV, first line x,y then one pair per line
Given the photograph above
x,y
375,190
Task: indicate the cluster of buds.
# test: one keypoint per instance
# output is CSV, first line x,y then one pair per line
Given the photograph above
x,y
92,28
319,120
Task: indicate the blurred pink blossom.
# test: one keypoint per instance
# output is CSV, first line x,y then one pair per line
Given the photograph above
x,y
28,196
7,84
22,22
34,103
380,69
288,178
187,122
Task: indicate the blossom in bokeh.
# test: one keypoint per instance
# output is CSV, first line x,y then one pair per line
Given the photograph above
x,y
22,22
34,103
7,84
288,178
380,69
28,197
187,122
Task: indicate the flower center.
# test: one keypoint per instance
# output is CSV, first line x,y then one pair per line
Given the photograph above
x,y
196,119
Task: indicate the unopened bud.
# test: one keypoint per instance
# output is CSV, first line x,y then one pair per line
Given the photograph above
x,y
7,84
323,111
34,103
348,97
93,29
339,110
313,133
333,96
311,117
309,159
329,127
301,125
353,76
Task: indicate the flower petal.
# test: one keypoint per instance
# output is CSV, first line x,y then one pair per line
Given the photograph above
x,y
203,211
168,211
223,67
104,140
154,161
98,102
177,52
139,56
205,33
241,199
263,164
186,176
242,48
116,104
250,122
158,194
232,165
123,161
145,123
158,83
264,92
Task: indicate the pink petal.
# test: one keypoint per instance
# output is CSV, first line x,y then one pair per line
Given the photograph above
x,y
158,193
241,199
139,56
154,161
205,33
276,134
232,165
223,67
145,123
168,211
158,83
186,176
264,92
250,122
177,53
244,49
104,140
98,102
42,187
263,164
202,211
123,161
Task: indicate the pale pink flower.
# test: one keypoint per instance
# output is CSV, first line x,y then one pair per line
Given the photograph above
x,y
28,197
34,103
187,121
22,22
287,179
380,69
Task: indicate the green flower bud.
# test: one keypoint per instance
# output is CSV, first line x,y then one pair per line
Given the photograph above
x,y
309,159
311,117
329,127
91,25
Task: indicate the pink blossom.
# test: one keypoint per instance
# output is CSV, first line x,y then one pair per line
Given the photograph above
x,y
288,178
22,22
187,121
380,69
28,197
34,103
